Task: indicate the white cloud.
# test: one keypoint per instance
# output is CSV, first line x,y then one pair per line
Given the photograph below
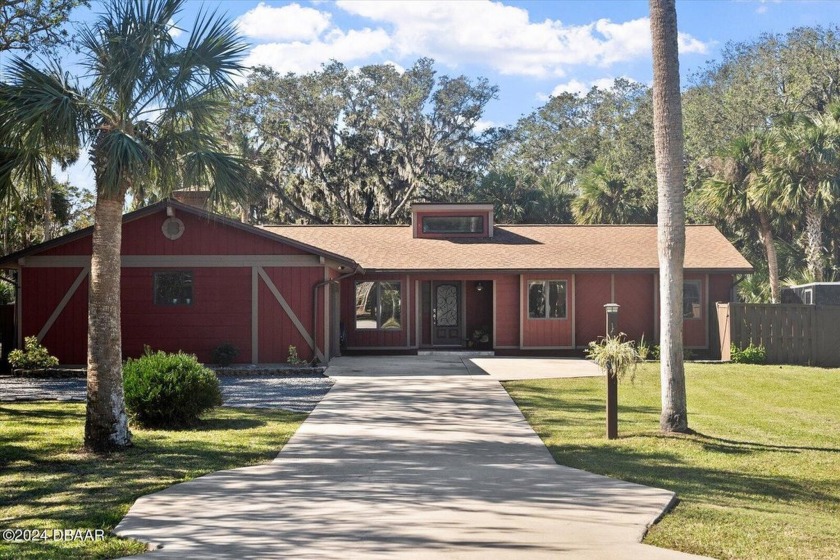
x,y
174,30
689,44
578,87
483,124
761,9
301,57
504,37
287,23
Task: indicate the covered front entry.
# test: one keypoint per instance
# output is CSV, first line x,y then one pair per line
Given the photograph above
x,y
447,314
455,313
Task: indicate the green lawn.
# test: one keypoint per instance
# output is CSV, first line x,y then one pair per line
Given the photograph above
x,y
759,478
46,481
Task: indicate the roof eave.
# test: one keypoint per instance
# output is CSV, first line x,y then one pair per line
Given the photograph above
x,y
10,261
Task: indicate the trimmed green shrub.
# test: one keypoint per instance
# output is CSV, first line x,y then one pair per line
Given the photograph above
x,y
224,354
33,356
750,355
169,390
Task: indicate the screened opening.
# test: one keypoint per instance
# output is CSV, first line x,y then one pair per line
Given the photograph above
x,y
453,224
378,305
691,300
547,299
174,288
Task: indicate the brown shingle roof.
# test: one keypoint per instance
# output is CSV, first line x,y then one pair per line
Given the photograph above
x,y
520,247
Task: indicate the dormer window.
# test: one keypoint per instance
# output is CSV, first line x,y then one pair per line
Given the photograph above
x,y
453,224
452,220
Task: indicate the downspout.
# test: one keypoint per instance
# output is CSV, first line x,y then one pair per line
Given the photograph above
x,y
315,289
732,292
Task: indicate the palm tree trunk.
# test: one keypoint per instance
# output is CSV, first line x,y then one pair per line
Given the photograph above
x,y
106,426
48,211
765,232
668,143
813,238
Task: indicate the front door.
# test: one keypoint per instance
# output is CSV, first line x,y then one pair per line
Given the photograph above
x,y
446,314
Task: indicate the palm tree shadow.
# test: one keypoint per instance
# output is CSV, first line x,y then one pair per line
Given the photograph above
x,y
735,446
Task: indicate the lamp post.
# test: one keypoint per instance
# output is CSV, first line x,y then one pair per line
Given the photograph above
x,y
612,378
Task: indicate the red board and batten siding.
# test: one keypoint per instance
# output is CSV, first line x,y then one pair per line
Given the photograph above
x,y
222,296
508,309
634,294
220,312
201,237
592,291
541,333
42,290
276,329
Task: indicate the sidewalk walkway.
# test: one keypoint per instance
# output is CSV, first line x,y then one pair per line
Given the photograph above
x,y
404,467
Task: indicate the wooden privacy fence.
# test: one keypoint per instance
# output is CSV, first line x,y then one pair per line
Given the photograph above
x,y
791,333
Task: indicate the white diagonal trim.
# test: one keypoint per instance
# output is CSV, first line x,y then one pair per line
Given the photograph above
x,y
290,312
63,303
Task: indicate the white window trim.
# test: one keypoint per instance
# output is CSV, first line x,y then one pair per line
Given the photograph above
x,y
545,283
808,296
699,284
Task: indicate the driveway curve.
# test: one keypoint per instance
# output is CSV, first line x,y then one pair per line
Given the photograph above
x,y
404,467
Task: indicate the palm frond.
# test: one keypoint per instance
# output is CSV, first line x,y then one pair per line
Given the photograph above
x,y
121,161
42,110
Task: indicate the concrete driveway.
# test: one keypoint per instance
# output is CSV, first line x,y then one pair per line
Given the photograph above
x,y
454,364
404,467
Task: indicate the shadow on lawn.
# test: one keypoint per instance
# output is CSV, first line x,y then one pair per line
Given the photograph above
x,y
101,486
689,479
723,445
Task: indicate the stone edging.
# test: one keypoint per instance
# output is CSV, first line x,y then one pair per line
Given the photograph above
x,y
235,371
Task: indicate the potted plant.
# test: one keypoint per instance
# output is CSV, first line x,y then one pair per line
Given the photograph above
x,y
480,339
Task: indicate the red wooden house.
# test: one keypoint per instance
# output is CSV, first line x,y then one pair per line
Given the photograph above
x,y
193,280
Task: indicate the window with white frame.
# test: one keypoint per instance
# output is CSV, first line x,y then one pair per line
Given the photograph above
x,y
547,299
692,302
808,296
453,224
378,305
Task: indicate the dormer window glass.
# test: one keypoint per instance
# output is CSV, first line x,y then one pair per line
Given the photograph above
x,y
453,224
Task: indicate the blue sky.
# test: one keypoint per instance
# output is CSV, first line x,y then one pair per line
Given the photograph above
x,y
529,49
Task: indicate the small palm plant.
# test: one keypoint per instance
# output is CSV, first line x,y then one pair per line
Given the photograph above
x,y
615,356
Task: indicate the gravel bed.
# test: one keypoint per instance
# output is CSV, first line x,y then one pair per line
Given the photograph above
x,y
296,393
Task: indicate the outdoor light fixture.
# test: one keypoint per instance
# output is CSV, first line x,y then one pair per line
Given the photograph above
x,y
479,287
611,307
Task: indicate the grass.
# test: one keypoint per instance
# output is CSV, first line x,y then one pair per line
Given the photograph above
x,y
48,482
758,478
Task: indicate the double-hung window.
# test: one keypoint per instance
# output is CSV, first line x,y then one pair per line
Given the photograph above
x,y
692,302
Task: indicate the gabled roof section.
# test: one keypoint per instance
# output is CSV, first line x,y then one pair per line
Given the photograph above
x,y
10,260
520,248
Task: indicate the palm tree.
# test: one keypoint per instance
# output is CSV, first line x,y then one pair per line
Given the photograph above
x,y
607,199
739,191
149,115
805,172
670,179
